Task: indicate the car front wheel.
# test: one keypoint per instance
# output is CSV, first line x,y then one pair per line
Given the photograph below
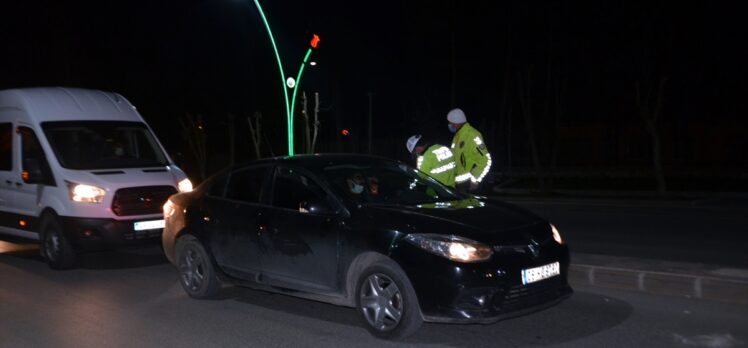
x,y
196,272
387,303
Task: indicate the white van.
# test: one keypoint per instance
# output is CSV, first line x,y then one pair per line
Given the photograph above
x,y
80,170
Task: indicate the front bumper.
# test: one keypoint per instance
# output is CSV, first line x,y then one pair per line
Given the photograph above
x,y
484,292
97,233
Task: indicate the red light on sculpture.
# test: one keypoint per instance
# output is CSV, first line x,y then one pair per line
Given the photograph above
x,y
344,132
315,41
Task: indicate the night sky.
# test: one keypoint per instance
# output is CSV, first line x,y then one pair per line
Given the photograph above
x,y
578,62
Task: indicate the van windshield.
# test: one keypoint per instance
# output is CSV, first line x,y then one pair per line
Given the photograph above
x,y
103,144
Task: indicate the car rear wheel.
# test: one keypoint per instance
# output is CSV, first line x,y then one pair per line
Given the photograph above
x,y
55,247
196,272
387,303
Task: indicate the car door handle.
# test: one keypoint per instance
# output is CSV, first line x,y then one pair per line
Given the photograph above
x,y
8,182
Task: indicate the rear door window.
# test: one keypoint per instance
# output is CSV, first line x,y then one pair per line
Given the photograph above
x,y
247,185
218,186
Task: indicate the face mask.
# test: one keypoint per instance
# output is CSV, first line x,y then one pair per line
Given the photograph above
x,y
452,128
357,189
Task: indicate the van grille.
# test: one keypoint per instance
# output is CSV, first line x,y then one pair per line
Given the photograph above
x,y
141,200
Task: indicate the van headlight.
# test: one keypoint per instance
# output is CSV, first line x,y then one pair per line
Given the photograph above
x,y
185,185
452,247
85,193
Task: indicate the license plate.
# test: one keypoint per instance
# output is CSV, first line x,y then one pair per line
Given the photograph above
x,y
148,225
535,274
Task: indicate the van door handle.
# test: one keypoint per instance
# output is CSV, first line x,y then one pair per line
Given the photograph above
x,y
18,184
8,182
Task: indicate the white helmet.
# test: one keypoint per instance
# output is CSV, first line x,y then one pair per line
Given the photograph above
x,y
456,116
412,141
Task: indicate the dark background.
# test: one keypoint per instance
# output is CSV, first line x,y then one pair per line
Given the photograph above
x,y
569,67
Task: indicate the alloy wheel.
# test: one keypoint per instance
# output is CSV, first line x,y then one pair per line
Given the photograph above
x,y
381,302
192,269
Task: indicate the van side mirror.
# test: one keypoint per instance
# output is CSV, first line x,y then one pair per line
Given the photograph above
x,y
32,171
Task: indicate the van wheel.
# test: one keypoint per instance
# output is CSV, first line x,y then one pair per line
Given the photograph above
x,y
196,272
55,246
387,303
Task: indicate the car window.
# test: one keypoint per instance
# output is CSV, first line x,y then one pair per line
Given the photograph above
x,y
246,184
295,190
6,146
386,184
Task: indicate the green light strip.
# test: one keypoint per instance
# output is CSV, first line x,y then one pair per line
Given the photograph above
x,y
298,81
289,120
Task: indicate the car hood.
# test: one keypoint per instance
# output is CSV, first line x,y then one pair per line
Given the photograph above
x,y
487,221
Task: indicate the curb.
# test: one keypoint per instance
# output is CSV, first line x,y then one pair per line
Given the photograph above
x,y
719,200
689,282
623,203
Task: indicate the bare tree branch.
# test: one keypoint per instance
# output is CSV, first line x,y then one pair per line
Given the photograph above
x,y
193,131
650,116
255,130
316,121
525,90
305,115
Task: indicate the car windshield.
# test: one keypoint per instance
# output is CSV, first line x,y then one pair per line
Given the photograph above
x,y
389,184
103,145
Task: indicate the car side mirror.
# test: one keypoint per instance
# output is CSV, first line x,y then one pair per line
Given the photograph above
x,y
32,172
316,207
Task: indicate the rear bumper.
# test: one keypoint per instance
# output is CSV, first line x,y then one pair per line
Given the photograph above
x,y
96,233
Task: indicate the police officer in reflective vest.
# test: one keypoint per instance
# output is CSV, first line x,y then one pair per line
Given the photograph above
x,y
433,159
471,154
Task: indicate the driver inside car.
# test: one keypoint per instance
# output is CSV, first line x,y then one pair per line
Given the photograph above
x,y
356,184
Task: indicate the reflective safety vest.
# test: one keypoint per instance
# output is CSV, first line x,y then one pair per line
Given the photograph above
x,y
438,162
472,157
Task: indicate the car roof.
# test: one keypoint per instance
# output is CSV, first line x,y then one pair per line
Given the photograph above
x,y
316,162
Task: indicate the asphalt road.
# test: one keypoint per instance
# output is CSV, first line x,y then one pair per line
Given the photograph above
x,y
133,299
674,231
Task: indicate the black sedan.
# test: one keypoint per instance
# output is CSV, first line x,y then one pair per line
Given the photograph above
x,y
365,232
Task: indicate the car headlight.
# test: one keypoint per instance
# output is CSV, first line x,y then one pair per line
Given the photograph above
x,y
86,193
185,185
168,209
452,247
556,235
